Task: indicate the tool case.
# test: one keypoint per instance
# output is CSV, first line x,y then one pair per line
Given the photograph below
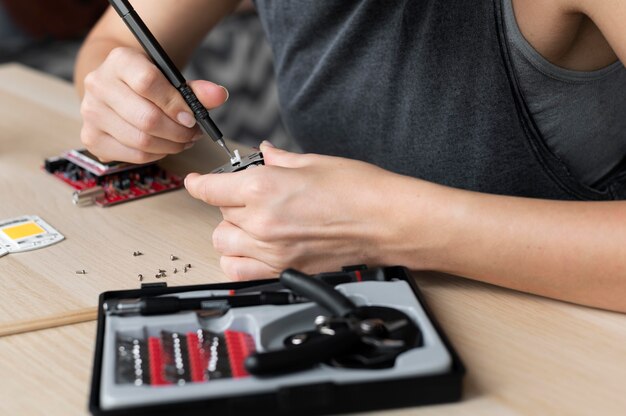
x,y
337,360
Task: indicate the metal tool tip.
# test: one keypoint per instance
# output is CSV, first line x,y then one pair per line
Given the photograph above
x,y
222,143
235,160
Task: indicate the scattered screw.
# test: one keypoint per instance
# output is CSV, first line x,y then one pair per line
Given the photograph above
x,y
158,276
81,272
140,277
185,269
173,257
137,253
188,266
175,270
161,271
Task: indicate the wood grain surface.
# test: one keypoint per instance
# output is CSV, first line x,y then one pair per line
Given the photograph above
x,y
39,118
525,355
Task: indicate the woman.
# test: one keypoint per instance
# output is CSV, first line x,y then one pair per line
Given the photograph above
x,y
483,139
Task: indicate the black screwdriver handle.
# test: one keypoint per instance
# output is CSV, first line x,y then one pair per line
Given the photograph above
x,y
149,43
162,60
318,291
200,112
172,304
303,356
161,306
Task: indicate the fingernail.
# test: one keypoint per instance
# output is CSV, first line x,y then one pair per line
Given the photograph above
x,y
227,93
189,145
267,143
197,137
186,119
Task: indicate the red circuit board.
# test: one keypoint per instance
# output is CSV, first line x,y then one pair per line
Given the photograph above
x,y
78,184
119,187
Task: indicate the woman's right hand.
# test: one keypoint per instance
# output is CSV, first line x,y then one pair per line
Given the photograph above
x,y
132,113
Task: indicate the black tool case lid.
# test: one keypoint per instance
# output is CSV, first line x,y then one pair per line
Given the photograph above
x,y
303,399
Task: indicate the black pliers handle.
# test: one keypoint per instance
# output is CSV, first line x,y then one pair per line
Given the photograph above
x,y
375,334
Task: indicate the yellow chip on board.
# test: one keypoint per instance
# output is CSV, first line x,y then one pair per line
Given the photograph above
x,y
28,229
28,232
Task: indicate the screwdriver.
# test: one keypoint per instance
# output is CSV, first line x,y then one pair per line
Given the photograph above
x,y
171,304
167,67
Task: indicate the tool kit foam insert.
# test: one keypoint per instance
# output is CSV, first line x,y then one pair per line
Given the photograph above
x,y
367,342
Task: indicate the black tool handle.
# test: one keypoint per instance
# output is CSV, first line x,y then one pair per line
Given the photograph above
x,y
303,356
318,291
149,43
335,279
162,60
172,304
161,306
200,112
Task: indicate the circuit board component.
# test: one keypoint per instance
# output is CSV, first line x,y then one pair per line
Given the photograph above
x,y
28,232
107,184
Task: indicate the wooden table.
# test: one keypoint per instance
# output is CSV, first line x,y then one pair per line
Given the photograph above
x,y
524,354
40,118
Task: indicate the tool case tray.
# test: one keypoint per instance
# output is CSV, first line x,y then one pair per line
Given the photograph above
x,y
428,374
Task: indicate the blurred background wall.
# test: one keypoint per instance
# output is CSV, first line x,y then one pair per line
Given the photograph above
x,y
46,35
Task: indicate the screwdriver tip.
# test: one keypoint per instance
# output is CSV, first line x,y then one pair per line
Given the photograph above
x,y
222,143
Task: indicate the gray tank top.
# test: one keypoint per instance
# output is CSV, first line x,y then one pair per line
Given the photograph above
x,y
581,115
424,88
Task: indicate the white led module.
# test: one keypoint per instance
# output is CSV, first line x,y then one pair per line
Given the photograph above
x,y
235,160
28,232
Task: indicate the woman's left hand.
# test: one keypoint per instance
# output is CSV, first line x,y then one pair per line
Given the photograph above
x,y
311,212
